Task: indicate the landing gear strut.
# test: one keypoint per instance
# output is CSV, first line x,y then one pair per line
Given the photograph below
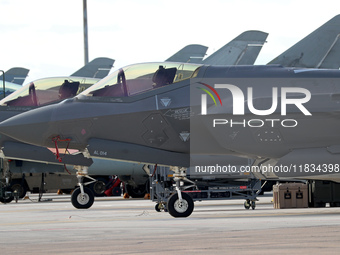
x,y
180,207
82,200
180,204
82,197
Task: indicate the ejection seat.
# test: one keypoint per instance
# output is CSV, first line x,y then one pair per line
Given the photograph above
x,y
164,76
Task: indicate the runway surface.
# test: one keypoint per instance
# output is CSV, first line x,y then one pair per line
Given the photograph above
x,y
119,226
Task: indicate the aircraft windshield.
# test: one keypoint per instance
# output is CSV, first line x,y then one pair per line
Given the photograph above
x,y
48,90
9,88
136,79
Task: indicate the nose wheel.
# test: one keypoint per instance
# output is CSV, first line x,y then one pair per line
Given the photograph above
x,y
180,207
82,201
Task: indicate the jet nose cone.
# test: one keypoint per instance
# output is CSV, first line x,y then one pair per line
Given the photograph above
x,y
28,127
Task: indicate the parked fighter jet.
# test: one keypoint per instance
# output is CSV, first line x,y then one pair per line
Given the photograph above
x,y
52,90
163,75
43,92
97,68
158,113
46,89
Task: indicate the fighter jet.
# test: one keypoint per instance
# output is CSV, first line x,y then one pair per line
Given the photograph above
x,y
159,113
242,47
153,140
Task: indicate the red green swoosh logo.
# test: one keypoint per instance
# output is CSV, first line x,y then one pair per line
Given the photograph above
x,y
209,93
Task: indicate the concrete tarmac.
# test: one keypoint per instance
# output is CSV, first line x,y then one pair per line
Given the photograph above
x,y
131,226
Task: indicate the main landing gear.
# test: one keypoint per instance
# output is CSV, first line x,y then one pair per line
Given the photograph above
x,y
175,193
171,198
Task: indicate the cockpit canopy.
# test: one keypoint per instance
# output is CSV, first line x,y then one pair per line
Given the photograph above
x,y
139,78
9,88
48,90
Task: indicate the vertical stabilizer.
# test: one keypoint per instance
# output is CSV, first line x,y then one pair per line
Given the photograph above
x,y
193,53
243,50
97,68
16,75
319,49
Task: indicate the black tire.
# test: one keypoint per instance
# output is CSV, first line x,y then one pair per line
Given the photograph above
x,y
157,207
98,188
247,204
180,209
82,202
136,192
20,187
7,198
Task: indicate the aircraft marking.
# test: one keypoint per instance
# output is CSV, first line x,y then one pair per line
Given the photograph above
x,y
181,114
184,136
166,101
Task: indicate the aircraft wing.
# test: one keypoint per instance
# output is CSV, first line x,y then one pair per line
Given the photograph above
x,y
22,151
97,68
318,163
109,149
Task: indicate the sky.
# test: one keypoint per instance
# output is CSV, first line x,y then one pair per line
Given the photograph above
x,y
47,36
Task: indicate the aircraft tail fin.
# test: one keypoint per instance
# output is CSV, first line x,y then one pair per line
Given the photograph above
x,y
97,68
16,75
242,50
319,49
193,53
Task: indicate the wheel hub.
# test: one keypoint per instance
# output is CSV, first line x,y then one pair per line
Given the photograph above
x,y
181,206
99,187
83,199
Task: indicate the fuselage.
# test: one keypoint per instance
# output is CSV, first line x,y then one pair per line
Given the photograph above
x,y
137,108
